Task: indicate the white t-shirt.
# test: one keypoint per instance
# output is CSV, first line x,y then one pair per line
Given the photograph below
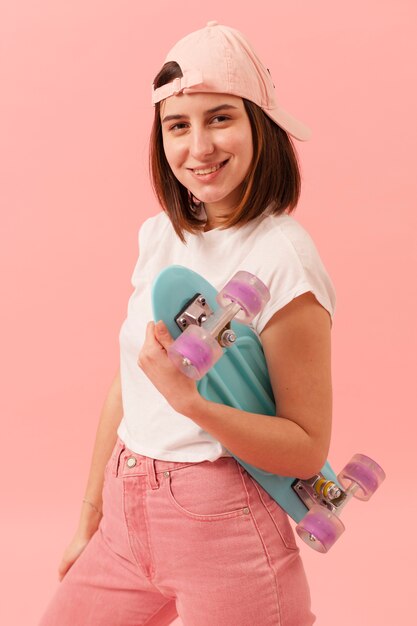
x,y
277,249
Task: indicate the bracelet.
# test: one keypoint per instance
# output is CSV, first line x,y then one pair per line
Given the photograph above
x,y
93,506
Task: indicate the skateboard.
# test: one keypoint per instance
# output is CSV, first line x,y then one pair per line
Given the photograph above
x,y
215,345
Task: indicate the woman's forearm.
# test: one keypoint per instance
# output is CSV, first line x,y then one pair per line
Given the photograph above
x,y
110,417
274,444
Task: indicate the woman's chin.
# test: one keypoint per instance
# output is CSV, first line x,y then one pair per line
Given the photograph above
x,y
219,201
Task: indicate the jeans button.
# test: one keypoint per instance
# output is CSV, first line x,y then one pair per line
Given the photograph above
x,y
166,474
131,461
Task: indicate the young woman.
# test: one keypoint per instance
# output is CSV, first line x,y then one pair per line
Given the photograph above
x,y
180,528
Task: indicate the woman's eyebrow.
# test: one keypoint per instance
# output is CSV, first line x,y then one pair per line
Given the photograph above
x,y
220,107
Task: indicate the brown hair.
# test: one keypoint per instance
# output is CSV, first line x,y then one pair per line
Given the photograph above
x,y
273,178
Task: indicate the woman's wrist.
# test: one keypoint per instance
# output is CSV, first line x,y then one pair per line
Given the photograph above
x,y
90,518
195,407
93,506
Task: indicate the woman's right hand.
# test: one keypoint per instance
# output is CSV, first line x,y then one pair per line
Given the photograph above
x,y
72,552
89,522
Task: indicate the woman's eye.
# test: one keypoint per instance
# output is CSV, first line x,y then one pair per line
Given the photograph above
x,y
221,118
178,126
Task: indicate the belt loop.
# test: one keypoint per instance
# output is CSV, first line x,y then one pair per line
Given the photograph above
x,y
150,470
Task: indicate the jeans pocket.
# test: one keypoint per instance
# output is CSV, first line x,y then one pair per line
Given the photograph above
x,y
277,514
208,491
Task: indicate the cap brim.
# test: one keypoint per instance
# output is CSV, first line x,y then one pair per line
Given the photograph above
x,y
289,123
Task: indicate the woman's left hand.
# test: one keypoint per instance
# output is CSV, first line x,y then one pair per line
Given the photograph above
x,y
179,390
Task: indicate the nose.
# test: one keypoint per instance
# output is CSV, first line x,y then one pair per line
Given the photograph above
x,y
201,143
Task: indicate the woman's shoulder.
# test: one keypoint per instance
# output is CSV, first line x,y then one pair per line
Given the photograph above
x,y
287,226
287,231
290,243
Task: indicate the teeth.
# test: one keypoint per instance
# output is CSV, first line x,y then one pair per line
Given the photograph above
x,y
209,170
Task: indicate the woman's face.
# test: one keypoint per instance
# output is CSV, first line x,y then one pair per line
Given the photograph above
x,y
208,144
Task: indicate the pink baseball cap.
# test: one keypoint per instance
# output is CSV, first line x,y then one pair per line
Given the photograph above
x,y
218,59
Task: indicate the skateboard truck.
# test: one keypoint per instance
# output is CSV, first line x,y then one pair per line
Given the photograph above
x,y
197,311
319,490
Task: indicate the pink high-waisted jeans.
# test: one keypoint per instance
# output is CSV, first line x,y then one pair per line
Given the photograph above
x,y
200,540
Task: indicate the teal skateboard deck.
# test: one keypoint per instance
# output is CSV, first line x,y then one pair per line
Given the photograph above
x,y
239,379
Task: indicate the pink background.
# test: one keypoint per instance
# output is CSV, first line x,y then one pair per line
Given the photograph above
x,y
75,116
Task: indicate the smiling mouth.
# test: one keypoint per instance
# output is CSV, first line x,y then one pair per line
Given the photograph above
x,y
209,170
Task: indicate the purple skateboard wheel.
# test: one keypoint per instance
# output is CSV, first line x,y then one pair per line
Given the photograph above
x,y
195,352
320,528
248,291
363,471
245,295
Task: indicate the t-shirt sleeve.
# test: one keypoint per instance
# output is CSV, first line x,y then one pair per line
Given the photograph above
x,y
290,265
